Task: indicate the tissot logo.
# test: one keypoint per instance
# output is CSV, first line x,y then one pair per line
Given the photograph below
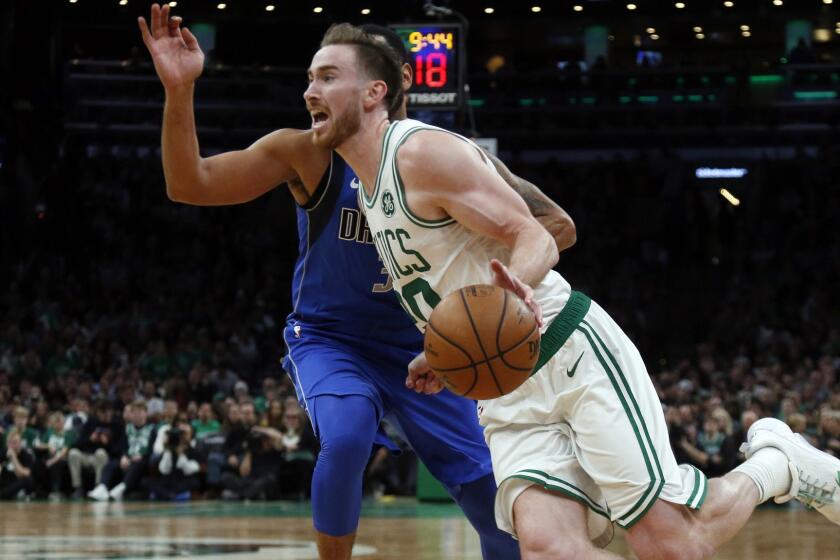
x,y
432,98
152,547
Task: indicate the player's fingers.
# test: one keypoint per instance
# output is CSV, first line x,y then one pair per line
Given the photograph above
x,y
537,309
189,39
164,21
154,21
174,26
433,385
503,275
144,31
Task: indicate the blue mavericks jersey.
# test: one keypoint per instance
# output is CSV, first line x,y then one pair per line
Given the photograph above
x,y
340,286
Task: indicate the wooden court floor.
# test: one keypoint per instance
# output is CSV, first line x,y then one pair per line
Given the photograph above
x,y
395,530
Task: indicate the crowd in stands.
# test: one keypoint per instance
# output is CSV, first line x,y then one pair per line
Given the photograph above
x,y
120,446
140,340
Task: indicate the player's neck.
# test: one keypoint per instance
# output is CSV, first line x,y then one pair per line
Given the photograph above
x,y
363,150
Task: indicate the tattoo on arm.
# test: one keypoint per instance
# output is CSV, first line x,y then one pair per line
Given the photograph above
x,y
532,196
537,202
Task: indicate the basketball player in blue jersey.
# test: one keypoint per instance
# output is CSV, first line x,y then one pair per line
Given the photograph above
x,y
348,339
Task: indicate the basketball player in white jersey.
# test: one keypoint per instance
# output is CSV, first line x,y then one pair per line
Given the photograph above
x,y
585,435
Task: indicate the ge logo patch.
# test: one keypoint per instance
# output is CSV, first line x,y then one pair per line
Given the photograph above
x,y
388,204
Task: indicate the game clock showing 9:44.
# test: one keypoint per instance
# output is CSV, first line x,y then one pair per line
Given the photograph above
x,y
435,54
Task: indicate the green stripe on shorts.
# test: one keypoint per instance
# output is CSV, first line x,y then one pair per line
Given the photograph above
x,y
619,382
559,485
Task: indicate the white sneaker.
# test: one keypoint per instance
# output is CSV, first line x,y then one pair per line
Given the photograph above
x,y
815,474
117,491
100,493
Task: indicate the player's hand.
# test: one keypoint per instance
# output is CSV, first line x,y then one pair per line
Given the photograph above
x,y
124,462
420,376
178,58
503,278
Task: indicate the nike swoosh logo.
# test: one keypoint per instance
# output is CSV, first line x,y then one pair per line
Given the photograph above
x,y
571,372
354,183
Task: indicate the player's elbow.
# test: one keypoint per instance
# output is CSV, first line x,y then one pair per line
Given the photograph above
x,y
567,234
174,193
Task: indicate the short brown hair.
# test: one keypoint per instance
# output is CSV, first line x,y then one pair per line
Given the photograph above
x,y
377,59
138,405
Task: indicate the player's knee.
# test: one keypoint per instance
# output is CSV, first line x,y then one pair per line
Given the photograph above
x,y
672,547
349,449
544,544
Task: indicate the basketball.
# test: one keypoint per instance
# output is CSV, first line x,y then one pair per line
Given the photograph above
x,y
482,341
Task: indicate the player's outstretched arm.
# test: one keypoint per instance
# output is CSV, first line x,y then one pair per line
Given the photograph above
x,y
229,178
446,176
547,212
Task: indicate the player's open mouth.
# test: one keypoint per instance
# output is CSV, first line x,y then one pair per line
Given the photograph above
x,y
319,119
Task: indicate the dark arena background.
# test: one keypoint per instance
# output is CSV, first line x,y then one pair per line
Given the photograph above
x,y
695,144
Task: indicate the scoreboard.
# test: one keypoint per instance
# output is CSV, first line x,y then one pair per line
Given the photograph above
x,y
436,57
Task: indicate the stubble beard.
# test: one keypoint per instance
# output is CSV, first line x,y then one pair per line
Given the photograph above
x,y
343,128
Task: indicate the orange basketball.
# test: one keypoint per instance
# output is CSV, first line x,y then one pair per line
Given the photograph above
x,y
482,341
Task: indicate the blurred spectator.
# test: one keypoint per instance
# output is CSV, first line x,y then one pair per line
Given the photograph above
x,y
299,447
273,417
101,438
178,468
56,443
28,435
132,465
256,477
79,415
16,475
154,403
829,438
227,457
167,418
205,424
240,392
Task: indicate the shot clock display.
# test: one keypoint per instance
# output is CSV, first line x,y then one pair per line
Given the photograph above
x,y
435,52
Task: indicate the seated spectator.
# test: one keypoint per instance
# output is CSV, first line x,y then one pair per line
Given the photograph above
x,y
76,419
39,419
256,477
168,417
154,404
100,440
16,474
28,435
227,458
178,467
56,443
132,465
206,423
240,392
710,451
829,437
299,447
799,424
273,417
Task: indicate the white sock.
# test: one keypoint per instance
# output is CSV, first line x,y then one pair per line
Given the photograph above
x,y
768,468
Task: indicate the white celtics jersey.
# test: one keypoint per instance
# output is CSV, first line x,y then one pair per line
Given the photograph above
x,y
427,260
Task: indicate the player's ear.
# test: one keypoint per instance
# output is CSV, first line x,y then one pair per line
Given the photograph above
x,y
407,76
376,91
